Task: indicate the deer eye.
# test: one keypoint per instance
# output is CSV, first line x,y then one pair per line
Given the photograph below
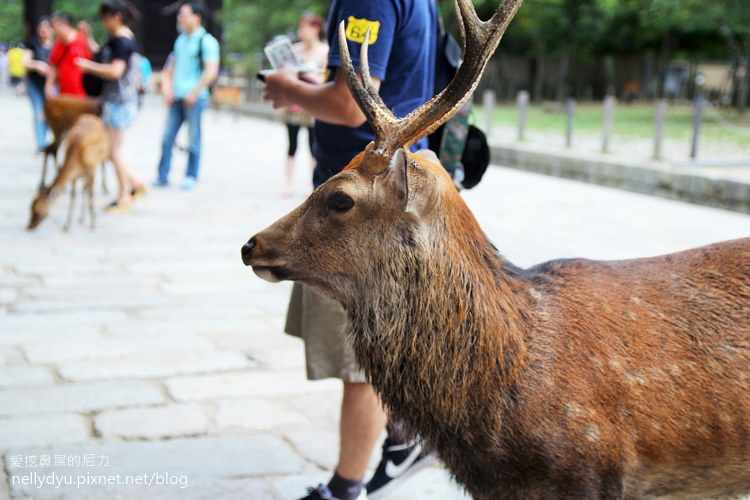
x,y
340,202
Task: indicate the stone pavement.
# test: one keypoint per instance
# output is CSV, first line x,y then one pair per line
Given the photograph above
x,y
145,352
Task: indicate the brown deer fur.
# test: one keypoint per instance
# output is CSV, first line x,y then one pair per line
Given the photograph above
x,y
571,379
87,147
61,112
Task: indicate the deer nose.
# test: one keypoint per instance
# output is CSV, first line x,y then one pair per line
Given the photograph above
x,y
247,250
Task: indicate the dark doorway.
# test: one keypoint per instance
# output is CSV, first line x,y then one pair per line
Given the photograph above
x,y
33,10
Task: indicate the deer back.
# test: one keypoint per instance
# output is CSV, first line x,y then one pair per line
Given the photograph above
x,y
61,112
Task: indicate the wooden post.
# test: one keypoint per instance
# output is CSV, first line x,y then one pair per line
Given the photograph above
x,y
488,102
700,106
523,104
609,116
570,110
660,119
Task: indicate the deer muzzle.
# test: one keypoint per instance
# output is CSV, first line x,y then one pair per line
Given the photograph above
x,y
247,251
265,268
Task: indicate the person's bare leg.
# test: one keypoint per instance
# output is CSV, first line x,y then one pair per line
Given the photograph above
x,y
135,181
121,168
362,421
313,164
127,179
313,160
288,176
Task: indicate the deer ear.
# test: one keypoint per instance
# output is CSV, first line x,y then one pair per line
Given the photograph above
x,y
400,169
408,181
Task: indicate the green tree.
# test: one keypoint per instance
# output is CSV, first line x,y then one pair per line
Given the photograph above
x,y
11,16
563,29
11,20
735,29
79,9
682,29
83,10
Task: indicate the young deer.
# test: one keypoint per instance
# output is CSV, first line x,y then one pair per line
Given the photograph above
x,y
61,112
87,148
571,379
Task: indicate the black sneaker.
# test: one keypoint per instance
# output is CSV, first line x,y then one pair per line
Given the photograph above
x,y
398,462
321,492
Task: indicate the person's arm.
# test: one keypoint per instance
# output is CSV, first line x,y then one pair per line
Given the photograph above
x,y
51,79
49,82
32,64
113,70
85,29
109,71
210,68
167,72
210,72
330,102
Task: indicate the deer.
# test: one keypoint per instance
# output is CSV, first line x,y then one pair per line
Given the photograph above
x,y
573,378
61,113
87,147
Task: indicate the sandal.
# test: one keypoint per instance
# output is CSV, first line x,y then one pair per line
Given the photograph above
x,y
116,208
139,192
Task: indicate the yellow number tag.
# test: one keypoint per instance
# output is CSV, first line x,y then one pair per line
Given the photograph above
x,y
356,29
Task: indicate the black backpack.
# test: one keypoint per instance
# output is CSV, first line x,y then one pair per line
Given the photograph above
x,y
200,63
93,85
476,157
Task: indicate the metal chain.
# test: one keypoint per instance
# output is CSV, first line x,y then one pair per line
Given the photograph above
x,y
726,123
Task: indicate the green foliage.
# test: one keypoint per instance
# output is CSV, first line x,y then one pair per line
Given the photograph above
x,y
547,26
79,9
11,16
693,28
83,10
11,20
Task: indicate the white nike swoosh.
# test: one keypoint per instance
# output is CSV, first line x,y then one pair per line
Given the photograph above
x,y
393,470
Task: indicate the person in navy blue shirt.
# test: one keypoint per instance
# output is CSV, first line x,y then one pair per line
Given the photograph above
x,y
401,55
402,63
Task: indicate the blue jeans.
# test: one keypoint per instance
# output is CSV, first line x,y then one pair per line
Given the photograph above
x,y
36,95
178,114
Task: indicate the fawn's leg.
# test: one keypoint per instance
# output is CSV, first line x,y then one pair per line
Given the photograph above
x,y
90,190
70,207
82,219
104,177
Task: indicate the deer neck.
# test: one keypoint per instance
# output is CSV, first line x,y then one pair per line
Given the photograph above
x,y
54,190
66,175
450,314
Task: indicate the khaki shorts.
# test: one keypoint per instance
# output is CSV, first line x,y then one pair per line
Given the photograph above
x,y
319,321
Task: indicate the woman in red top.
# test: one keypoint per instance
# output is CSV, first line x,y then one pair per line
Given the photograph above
x,y
70,45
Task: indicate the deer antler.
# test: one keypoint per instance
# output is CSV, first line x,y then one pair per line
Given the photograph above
x,y
481,38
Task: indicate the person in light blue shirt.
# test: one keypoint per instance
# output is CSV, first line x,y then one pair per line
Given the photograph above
x,y
193,67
